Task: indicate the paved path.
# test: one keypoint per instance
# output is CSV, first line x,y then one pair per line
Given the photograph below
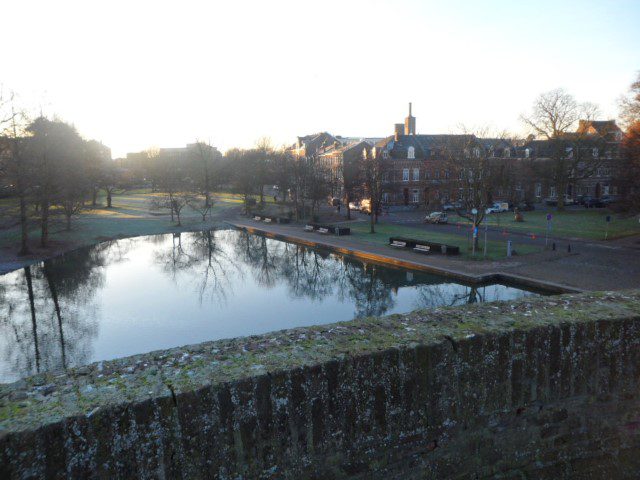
x,y
590,266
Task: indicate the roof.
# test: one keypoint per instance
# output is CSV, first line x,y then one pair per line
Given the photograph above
x,y
422,144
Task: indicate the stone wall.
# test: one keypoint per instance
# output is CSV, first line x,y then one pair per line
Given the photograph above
x,y
539,388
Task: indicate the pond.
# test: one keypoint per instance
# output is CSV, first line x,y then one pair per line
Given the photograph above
x,y
136,295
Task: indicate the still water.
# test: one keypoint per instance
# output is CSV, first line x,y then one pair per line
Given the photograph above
x,y
137,295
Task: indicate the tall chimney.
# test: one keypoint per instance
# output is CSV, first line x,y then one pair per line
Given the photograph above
x,y
410,123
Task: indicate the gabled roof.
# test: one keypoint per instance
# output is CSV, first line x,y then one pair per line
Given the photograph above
x,y
422,144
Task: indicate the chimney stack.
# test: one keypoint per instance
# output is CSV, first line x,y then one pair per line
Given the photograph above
x,y
398,130
410,123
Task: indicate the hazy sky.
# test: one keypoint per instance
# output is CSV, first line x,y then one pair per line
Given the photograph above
x,y
135,74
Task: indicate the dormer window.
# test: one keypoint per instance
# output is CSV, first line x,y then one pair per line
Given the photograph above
x,y
411,153
385,154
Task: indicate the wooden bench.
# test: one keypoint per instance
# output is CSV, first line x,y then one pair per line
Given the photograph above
x,y
398,244
422,248
308,228
323,230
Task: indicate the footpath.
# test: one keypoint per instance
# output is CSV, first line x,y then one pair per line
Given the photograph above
x,y
588,269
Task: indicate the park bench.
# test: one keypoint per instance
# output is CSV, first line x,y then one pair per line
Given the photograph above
x,y
397,244
308,228
322,230
433,247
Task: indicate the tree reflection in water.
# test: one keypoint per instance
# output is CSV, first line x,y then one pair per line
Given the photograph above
x,y
40,327
193,287
199,258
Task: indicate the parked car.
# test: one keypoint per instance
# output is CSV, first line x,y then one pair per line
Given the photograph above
x,y
436,217
609,199
592,202
498,207
523,207
553,201
452,206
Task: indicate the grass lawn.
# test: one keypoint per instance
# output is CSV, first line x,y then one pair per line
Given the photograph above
x,y
495,250
129,216
588,224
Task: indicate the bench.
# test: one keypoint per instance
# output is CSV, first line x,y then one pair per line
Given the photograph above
x,y
425,246
308,228
323,230
267,220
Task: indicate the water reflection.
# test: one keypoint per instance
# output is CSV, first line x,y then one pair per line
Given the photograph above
x,y
131,296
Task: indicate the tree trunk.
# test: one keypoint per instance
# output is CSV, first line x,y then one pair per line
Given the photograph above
x,y
44,225
94,197
68,222
56,305
24,227
347,199
108,198
372,224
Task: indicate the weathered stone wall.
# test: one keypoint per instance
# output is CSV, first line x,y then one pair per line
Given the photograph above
x,y
542,388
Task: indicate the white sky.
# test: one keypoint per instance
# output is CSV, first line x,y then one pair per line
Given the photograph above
x,y
137,74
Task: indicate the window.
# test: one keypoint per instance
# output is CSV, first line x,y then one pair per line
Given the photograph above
x,y
476,152
405,174
385,197
605,189
416,174
552,191
527,152
385,154
446,174
411,153
594,152
507,152
427,174
415,197
436,174
385,177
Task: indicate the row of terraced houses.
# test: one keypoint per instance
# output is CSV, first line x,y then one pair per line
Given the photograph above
x,y
424,169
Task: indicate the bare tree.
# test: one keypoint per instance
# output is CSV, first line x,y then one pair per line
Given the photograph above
x,y
374,169
553,118
201,205
474,173
14,163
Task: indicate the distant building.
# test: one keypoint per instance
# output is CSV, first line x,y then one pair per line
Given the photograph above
x,y
422,169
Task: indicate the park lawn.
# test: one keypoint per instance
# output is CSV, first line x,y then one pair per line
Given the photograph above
x,y
495,250
130,216
587,224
